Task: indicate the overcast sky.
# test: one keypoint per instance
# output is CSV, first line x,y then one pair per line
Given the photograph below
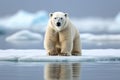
x,y
75,8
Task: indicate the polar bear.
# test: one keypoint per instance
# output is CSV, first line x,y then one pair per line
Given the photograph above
x,y
61,37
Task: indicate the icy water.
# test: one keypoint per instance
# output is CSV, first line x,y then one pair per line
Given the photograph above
x,y
59,71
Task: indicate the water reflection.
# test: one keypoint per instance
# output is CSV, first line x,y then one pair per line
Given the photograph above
x,y
62,71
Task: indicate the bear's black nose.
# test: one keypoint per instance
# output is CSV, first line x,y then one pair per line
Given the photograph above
x,y
58,24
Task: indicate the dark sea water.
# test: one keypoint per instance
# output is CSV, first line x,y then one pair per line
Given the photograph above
x,y
59,71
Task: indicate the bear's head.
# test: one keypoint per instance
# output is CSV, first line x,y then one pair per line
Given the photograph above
x,y
58,20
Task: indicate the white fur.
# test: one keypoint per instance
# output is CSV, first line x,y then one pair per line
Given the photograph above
x,y
66,36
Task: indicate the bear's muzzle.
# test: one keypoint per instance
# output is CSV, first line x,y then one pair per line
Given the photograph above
x,y
58,24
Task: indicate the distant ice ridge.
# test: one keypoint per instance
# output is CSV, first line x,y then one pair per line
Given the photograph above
x,y
38,21
26,20
103,37
28,36
117,18
97,25
24,36
95,55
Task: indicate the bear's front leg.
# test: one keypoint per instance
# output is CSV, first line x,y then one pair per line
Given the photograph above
x,y
52,52
50,47
66,47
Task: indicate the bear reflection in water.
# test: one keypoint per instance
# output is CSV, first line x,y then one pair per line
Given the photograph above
x,y
62,71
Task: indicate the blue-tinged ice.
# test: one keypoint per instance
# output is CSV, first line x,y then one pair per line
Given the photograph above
x,y
40,18
117,18
38,21
21,19
25,20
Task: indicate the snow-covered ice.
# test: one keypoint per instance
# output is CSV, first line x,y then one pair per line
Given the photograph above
x,y
34,55
24,36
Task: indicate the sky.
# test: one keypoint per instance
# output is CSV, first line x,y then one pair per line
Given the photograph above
x,y
75,8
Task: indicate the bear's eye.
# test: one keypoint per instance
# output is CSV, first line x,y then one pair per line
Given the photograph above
x,y
55,18
61,18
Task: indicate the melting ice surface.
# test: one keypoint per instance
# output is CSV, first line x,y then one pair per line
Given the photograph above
x,y
95,55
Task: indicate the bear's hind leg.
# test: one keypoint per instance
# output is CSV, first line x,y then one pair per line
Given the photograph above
x,y
76,47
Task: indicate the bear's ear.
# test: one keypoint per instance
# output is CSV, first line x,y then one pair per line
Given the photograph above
x,y
66,14
51,14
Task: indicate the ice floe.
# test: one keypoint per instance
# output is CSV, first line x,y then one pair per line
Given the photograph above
x,y
26,20
34,55
97,25
100,37
24,36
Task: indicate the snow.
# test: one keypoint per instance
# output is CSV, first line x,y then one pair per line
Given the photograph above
x,y
24,36
100,37
34,55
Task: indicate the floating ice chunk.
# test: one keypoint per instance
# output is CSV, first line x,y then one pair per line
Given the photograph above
x,y
117,18
2,30
23,19
24,36
97,25
85,36
39,23
114,28
40,18
107,38
94,25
